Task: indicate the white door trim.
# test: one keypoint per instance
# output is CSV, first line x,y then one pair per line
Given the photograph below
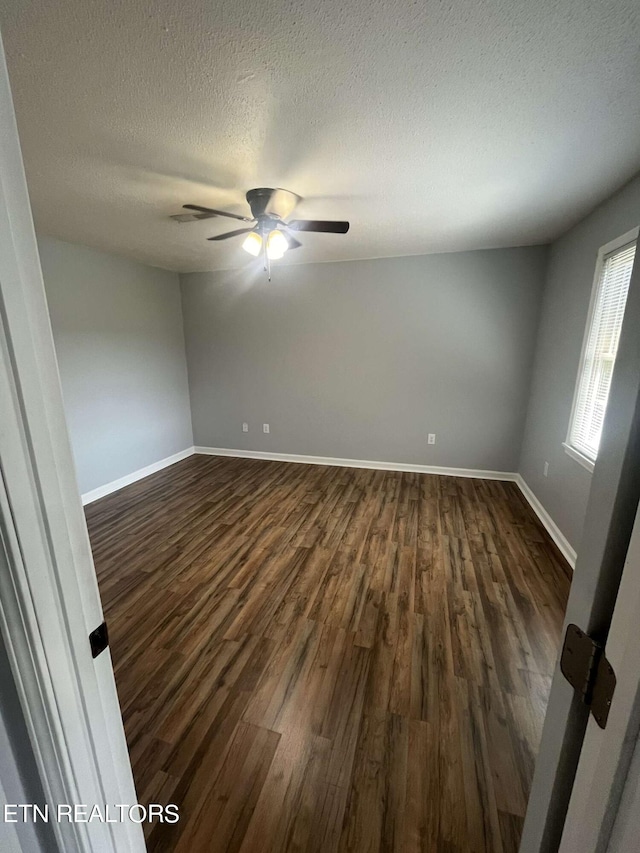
x,y
49,599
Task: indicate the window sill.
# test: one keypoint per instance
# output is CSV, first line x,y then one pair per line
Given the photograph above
x,y
579,457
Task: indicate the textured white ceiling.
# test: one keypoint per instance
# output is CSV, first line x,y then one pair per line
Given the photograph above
x,y
432,126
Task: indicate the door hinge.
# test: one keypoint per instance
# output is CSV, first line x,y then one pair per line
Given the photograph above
x,y
99,640
584,665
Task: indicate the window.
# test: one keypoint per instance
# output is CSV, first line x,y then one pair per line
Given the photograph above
x,y
608,300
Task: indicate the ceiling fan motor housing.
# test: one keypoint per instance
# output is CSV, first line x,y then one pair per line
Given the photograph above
x,y
258,200
273,203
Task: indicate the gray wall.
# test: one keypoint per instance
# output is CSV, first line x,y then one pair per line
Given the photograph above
x,y
119,338
565,491
363,359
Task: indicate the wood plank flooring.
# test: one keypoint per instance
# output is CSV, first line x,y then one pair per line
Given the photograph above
x,y
327,659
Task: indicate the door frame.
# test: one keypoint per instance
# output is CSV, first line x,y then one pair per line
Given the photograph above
x,y
49,599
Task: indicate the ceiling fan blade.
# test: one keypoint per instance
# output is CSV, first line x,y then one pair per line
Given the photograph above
x,y
291,240
228,234
191,217
321,225
282,203
213,212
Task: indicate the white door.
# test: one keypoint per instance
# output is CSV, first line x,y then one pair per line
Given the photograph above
x,y
626,829
609,522
603,781
49,601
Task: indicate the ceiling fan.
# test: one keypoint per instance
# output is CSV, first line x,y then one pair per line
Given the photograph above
x,y
268,234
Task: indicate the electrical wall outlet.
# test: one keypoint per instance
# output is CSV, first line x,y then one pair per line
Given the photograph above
x,y
546,469
265,427
432,438
245,427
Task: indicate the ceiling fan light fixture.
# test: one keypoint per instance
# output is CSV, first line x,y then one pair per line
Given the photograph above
x,y
277,245
252,244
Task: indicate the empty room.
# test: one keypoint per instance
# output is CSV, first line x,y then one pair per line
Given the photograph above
x,y
320,433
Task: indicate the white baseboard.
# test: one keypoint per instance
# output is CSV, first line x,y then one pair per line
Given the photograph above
x,y
567,551
108,488
551,527
358,463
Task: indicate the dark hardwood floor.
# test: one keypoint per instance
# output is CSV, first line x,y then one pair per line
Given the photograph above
x,y
328,659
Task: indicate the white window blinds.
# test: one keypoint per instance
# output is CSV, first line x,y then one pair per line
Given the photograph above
x,y
600,349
